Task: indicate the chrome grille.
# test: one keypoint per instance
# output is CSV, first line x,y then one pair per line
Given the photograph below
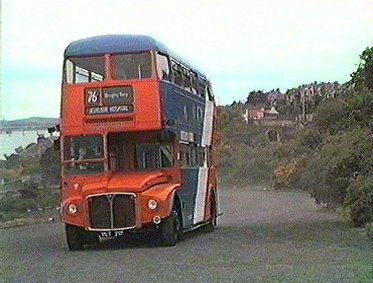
x,y
112,211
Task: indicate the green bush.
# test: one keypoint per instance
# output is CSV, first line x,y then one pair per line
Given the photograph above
x,y
310,138
359,200
244,165
329,170
332,116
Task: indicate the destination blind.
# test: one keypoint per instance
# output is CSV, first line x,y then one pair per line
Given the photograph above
x,y
109,100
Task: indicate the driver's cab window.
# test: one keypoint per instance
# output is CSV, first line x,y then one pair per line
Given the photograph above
x,y
163,68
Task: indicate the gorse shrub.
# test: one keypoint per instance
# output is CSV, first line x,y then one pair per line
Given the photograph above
x,y
359,200
286,175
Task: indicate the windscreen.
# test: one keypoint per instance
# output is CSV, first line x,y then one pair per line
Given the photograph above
x,y
83,155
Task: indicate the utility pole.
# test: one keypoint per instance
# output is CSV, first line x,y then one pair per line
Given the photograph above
x,y
246,115
303,97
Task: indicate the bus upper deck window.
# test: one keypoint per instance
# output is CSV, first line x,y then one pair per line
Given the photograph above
x,y
81,75
202,90
131,66
178,78
85,69
163,68
194,83
210,94
69,71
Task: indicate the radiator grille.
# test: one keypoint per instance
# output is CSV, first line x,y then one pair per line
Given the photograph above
x,y
112,211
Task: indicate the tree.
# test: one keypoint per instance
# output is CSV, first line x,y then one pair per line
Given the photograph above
x,y
256,97
363,76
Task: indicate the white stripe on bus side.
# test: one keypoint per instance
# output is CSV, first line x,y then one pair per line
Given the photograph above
x,y
207,123
200,204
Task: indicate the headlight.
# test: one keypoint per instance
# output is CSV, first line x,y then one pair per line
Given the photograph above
x,y
72,209
152,204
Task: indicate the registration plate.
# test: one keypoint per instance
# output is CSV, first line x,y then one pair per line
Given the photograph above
x,y
111,234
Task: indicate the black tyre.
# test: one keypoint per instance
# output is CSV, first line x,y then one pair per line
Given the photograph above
x,y
74,237
171,228
77,237
210,226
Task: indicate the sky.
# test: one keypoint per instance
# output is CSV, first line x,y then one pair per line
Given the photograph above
x,y
241,45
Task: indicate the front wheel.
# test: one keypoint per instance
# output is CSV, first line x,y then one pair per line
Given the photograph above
x,y
74,237
77,237
171,229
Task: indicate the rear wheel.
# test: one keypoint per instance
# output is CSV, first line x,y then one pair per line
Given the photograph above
x,y
171,228
210,226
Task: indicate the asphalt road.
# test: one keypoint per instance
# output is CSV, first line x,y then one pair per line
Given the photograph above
x,y
263,236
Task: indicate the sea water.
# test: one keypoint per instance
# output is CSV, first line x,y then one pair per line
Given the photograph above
x,y
9,142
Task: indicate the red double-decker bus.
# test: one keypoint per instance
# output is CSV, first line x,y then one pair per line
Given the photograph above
x,y
137,138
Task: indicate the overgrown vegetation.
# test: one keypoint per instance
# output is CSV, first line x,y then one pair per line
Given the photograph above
x,y
330,157
30,185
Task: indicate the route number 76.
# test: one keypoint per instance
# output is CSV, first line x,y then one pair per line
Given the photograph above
x,y
93,97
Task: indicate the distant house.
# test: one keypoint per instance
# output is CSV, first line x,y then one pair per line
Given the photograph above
x,y
262,114
271,114
256,114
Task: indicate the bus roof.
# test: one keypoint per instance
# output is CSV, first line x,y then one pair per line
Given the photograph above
x,y
119,43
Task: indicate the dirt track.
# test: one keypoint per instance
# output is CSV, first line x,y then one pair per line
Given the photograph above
x,y
264,236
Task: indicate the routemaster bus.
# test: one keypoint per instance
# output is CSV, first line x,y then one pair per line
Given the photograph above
x,y
137,141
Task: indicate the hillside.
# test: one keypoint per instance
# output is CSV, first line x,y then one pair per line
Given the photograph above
x,y
329,154
33,122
